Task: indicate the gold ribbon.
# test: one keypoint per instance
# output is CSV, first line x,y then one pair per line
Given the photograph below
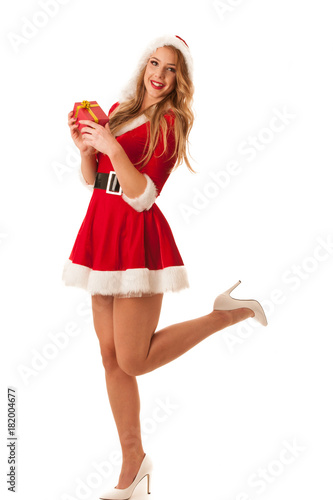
x,y
87,105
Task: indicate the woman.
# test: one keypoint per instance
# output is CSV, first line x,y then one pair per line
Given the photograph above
x,y
125,254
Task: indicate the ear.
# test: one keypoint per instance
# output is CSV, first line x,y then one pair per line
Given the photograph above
x,y
107,126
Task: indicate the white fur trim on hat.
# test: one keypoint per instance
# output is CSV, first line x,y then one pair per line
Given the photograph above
x,y
146,199
129,91
130,282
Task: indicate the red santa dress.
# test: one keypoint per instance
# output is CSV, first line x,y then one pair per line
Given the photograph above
x,y
125,246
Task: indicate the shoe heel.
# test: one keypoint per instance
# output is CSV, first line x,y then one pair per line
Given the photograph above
x,y
227,292
148,484
224,302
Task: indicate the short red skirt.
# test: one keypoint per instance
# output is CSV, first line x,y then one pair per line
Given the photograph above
x,y
120,251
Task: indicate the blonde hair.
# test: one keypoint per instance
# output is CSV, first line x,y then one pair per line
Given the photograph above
x,y
179,101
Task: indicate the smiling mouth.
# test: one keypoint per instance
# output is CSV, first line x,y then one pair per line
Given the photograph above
x,y
156,85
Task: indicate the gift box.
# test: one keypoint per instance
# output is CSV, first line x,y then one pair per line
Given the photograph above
x,y
89,110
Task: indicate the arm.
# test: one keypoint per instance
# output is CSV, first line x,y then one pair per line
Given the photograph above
x,y
132,182
142,188
89,163
87,170
88,167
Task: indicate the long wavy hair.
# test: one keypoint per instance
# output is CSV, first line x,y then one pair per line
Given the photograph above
x,y
179,101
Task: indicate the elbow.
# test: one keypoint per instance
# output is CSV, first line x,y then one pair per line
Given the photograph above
x,y
146,199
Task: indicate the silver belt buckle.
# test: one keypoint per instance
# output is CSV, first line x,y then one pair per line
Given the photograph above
x,y
113,186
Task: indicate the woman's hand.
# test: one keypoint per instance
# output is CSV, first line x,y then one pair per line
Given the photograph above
x,y
77,136
99,137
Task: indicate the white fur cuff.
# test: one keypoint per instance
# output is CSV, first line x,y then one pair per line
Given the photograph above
x,y
146,199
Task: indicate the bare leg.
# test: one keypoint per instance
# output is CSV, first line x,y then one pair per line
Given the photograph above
x,y
122,387
122,391
173,341
140,350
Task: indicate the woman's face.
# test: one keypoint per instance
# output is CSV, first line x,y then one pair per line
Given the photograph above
x,y
160,74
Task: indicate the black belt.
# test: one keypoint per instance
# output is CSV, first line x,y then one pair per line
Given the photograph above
x,y
108,182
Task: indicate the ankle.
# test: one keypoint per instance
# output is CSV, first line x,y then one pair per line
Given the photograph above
x,y
241,314
222,317
133,455
230,317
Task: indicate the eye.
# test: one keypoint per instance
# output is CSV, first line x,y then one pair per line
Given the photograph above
x,y
153,61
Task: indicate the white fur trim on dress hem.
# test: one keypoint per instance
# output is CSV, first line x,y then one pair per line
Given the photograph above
x,y
146,199
129,283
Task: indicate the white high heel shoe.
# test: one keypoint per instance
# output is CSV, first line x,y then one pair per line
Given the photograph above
x,y
224,302
124,494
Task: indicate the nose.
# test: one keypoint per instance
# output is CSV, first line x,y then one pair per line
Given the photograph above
x,y
159,74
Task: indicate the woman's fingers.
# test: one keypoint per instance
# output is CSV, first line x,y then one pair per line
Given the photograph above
x,y
71,119
72,125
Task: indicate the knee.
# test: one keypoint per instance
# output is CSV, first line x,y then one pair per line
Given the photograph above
x,y
109,359
111,362
131,365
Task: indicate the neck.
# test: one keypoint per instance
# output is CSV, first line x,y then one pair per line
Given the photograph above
x,y
147,103
165,108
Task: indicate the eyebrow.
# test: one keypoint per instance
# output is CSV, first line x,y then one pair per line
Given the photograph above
x,y
170,64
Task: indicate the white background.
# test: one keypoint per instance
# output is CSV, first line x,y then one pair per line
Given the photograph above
x,y
239,396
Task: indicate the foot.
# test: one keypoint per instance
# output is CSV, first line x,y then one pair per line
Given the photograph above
x,y
249,312
129,470
241,313
230,317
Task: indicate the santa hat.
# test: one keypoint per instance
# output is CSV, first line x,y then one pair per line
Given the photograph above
x,y
129,91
